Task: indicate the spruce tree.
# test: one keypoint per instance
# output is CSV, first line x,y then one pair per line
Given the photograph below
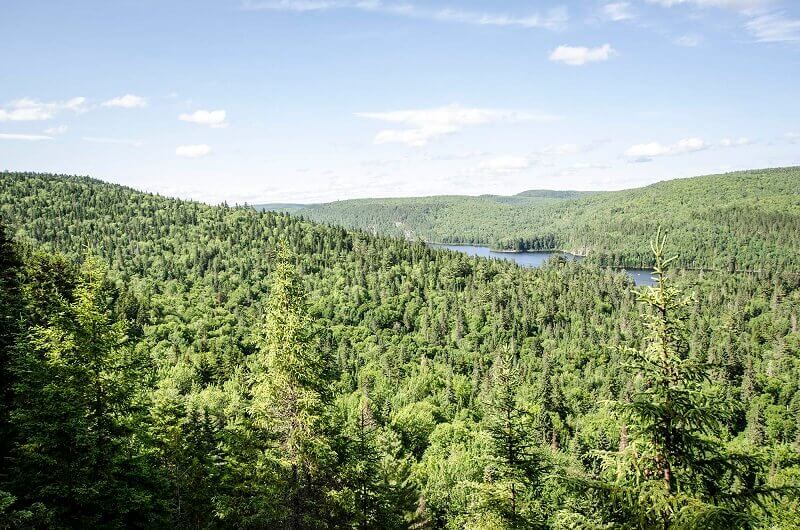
x,y
76,382
513,480
676,469
291,393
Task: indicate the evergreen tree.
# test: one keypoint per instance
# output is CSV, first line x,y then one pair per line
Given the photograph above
x,y
675,469
291,393
75,411
11,314
513,480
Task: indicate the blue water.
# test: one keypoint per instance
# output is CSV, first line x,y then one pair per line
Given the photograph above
x,y
537,259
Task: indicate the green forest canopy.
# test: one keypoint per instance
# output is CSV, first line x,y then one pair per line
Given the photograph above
x,y
167,363
746,220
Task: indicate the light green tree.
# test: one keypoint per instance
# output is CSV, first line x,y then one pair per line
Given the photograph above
x,y
291,392
675,469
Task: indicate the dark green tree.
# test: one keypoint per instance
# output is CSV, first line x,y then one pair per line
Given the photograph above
x,y
76,408
513,479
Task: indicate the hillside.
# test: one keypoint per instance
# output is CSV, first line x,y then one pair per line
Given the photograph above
x,y
152,352
284,207
747,220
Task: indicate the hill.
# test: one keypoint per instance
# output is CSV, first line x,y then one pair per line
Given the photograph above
x,y
170,364
746,220
285,207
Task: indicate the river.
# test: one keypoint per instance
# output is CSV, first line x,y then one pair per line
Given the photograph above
x,y
537,259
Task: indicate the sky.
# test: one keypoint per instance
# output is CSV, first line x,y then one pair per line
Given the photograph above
x,y
317,100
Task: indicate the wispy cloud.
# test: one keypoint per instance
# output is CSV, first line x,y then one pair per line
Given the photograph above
x,y
58,129
27,109
211,118
774,27
193,151
734,142
424,125
116,141
764,21
128,101
746,6
553,19
647,151
561,149
580,55
688,41
618,11
505,165
25,137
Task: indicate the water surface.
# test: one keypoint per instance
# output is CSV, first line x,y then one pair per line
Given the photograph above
x,y
537,259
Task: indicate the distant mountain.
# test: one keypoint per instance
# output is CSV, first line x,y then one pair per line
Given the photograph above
x,y
746,220
556,194
279,207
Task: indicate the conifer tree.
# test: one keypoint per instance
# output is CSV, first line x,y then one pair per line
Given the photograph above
x,y
291,393
76,407
676,470
11,313
513,480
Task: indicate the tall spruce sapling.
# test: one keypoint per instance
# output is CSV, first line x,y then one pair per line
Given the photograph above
x,y
291,391
676,469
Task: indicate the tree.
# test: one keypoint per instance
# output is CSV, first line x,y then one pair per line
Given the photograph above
x,y
11,314
514,477
675,469
291,392
75,410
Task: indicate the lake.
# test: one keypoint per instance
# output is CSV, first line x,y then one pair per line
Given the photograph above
x,y
537,259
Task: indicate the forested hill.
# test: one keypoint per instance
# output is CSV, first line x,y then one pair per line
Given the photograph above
x,y
170,364
747,220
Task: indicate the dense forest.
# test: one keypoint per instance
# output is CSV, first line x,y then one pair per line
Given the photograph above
x,y
170,364
747,220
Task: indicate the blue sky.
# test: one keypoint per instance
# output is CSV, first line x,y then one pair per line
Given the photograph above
x,y
317,100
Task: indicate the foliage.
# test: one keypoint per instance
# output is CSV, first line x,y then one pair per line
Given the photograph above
x,y
179,373
747,220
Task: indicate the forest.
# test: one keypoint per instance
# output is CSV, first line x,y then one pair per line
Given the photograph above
x,y
746,220
172,364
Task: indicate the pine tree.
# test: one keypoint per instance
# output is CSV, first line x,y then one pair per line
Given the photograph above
x,y
291,393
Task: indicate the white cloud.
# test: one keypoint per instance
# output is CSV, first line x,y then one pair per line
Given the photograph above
x,y
580,55
737,5
792,137
553,19
212,118
504,165
646,152
27,109
58,129
128,101
26,137
734,142
193,151
688,41
424,125
117,141
763,22
618,11
774,27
